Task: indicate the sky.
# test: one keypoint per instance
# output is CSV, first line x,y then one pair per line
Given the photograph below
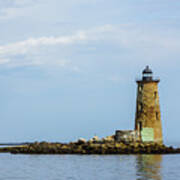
x,y
68,68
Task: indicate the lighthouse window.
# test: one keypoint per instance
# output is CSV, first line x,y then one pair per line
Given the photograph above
x,y
140,108
140,126
155,94
140,88
157,115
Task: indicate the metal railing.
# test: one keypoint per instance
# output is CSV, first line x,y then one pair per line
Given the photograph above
x,y
148,79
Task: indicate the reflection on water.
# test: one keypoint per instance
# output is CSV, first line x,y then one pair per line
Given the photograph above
x,y
89,167
148,167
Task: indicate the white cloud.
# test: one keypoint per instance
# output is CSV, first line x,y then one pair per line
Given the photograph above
x,y
31,46
41,9
9,13
37,51
4,61
24,2
26,46
15,8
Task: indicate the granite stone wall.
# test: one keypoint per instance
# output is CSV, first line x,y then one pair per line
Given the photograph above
x,y
148,116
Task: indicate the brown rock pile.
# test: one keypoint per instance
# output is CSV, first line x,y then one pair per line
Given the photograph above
x,y
90,147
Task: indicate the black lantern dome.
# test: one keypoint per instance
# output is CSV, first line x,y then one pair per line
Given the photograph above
x,y
147,70
147,74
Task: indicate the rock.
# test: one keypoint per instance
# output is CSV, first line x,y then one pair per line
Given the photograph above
x,y
95,139
81,141
109,139
95,146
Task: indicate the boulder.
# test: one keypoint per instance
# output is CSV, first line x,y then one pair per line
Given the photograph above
x,y
109,138
81,141
95,139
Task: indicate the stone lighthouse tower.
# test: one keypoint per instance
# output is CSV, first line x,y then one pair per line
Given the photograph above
x,y
148,116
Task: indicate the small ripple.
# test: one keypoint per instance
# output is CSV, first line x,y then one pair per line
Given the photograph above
x,y
89,167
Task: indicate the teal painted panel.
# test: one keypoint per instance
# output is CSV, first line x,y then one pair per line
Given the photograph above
x,y
147,134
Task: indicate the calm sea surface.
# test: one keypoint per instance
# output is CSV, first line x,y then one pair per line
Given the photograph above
x,y
89,167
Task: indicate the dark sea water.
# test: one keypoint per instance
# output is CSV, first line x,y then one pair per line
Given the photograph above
x,y
89,167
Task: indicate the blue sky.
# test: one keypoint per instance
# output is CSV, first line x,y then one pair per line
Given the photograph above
x,y
68,68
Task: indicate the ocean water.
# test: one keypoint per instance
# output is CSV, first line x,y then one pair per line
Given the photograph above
x,y
89,167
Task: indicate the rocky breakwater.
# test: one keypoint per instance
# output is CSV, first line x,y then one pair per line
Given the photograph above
x,y
91,147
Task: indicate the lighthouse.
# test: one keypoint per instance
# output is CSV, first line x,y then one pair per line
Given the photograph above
x,y
148,128
148,115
